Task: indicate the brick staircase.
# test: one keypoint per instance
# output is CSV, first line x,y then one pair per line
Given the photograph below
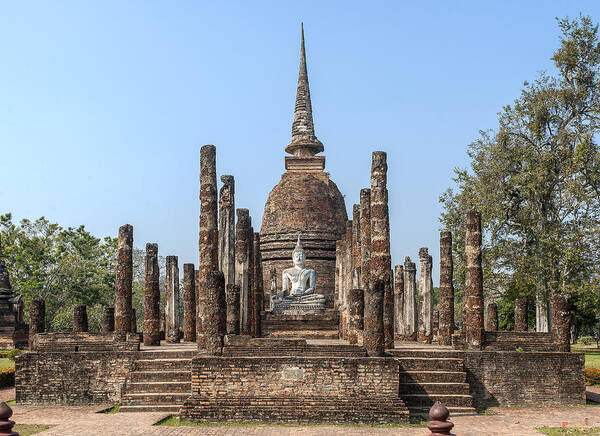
x,y
510,341
160,382
430,376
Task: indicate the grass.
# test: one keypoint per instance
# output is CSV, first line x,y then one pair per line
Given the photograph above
x,y
29,429
112,410
174,421
592,360
6,363
11,403
557,431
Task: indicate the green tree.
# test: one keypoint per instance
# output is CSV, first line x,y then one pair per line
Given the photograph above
x,y
536,180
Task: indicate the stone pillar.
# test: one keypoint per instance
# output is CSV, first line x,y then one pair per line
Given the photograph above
x,y
492,317
133,321
410,303
521,324
436,324
210,289
373,334
381,258
399,302
356,314
365,236
473,324
233,309
425,297
356,257
446,326
80,319
227,229
108,320
338,277
257,287
561,322
172,300
37,320
124,278
151,327
347,282
243,253
189,302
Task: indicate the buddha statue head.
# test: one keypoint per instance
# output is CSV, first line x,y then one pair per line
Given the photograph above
x,y
298,255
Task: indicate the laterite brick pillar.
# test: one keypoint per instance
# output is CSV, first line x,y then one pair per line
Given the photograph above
x,y
151,327
108,320
561,322
189,302
425,297
124,278
521,324
399,327
446,326
356,313
373,336
233,309
473,324
492,317
172,299
37,320
80,319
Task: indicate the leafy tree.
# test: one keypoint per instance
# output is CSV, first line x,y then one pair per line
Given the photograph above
x,y
536,180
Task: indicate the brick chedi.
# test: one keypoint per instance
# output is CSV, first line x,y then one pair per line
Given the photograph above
x,y
13,330
425,297
172,299
151,327
306,201
473,322
446,322
189,302
123,282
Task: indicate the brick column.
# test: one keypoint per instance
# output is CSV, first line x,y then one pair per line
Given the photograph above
x,y
521,324
425,297
227,229
561,322
189,302
381,259
492,317
124,277
446,326
133,321
243,272
436,324
172,300
399,327
108,320
151,327
410,303
37,320
257,287
356,314
356,257
210,289
473,324
373,335
365,236
233,309
347,280
80,319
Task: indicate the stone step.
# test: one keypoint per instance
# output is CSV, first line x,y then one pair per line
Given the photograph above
x,y
434,388
430,364
428,400
160,376
398,352
159,387
507,346
433,377
163,364
164,354
151,408
150,399
424,411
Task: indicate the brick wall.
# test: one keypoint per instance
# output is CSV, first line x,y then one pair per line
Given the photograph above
x,y
72,378
527,378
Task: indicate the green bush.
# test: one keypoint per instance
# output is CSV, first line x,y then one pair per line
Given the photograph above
x,y
586,340
592,376
10,354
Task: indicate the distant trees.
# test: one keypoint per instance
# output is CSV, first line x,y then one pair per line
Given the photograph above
x,y
536,180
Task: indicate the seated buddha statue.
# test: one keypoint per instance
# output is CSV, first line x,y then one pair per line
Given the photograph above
x,y
299,284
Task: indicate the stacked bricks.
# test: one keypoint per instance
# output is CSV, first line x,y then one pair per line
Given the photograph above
x,y
381,259
561,322
373,334
356,256
356,314
172,300
233,309
521,324
227,229
210,295
37,320
399,327
189,302
108,320
425,297
410,306
123,280
492,317
151,327
80,319
446,325
257,287
473,324
244,236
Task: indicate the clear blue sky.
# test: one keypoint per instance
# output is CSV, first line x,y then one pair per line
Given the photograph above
x,y
104,105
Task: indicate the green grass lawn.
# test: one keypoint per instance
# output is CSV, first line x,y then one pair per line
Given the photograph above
x,y
29,429
557,431
592,360
6,363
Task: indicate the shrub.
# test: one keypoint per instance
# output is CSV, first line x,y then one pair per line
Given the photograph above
x,y
7,377
10,354
592,376
586,340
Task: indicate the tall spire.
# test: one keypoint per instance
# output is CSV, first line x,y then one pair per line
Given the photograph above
x,y
304,142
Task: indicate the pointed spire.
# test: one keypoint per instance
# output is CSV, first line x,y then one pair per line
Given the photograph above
x,y
304,142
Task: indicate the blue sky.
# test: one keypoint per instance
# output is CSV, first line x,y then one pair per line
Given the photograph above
x,y
104,105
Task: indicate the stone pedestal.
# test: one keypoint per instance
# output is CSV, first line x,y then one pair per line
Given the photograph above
x,y
80,319
124,277
151,327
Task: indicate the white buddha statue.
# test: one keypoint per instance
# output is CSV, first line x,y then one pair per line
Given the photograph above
x,y
299,285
